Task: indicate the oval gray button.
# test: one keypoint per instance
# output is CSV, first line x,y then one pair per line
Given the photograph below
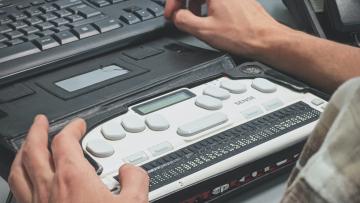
x,y
202,124
113,131
208,103
216,92
99,148
157,122
235,87
133,124
263,85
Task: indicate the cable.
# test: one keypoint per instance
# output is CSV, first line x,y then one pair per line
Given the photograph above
x,y
9,198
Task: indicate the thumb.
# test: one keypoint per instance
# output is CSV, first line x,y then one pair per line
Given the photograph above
x,y
186,21
134,183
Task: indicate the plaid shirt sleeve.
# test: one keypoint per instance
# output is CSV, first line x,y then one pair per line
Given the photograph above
x,y
328,169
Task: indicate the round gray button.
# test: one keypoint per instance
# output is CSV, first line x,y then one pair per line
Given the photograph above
x,y
100,148
208,103
216,92
113,131
263,85
133,124
235,87
157,122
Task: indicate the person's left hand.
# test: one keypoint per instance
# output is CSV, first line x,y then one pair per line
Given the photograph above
x,y
64,175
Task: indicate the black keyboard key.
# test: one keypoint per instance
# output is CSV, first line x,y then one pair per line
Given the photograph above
x,y
33,21
37,2
88,21
3,38
107,25
130,19
156,10
30,37
47,8
100,3
18,25
48,17
115,1
5,28
46,43
22,6
66,3
62,13
17,16
2,45
14,34
14,42
132,9
65,37
61,28
143,14
33,12
44,26
18,51
5,20
59,22
74,18
29,30
85,31
85,11
46,33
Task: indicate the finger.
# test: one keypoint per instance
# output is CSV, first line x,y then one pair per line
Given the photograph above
x,y
19,181
66,145
37,159
172,6
36,156
134,183
185,20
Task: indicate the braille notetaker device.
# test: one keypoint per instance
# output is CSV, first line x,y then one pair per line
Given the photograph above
x,y
194,133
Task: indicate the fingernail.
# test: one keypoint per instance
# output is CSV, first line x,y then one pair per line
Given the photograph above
x,y
38,117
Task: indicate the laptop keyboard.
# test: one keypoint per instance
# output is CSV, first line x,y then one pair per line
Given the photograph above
x,y
33,27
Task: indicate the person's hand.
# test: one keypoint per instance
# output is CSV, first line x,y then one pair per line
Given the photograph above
x,y
237,26
64,175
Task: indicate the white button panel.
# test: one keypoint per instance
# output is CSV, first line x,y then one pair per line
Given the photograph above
x,y
210,109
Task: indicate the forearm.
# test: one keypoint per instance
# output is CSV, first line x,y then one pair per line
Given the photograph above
x,y
245,28
321,63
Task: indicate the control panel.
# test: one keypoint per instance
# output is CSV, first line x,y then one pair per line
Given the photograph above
x,y
188,135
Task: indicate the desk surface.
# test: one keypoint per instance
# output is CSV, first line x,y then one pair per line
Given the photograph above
x,y
269,192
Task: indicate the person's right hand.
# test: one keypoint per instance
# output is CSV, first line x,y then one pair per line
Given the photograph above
x,y
237,26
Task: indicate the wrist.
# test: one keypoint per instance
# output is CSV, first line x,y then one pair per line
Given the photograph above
x,y
271,40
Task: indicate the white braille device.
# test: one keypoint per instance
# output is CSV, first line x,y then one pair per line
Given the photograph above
x,y
187,135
